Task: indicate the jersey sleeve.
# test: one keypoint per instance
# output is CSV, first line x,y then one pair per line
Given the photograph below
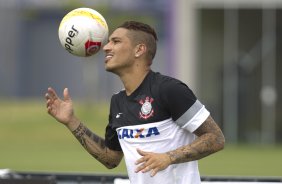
x,y
111,139
185,109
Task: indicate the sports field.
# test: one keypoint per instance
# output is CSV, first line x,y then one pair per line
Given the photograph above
x,y
30,140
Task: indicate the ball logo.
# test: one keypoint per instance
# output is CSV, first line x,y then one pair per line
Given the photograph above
x,y
69,39
92,47
147,110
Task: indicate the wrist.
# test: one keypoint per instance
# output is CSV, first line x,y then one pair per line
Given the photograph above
x,y
171,157
79,131
176,157
73,124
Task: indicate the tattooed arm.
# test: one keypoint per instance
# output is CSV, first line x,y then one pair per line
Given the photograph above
x,y
210,140
62,111
95,145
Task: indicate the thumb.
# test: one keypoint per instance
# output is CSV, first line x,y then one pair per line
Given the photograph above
x,y
66,95
142,153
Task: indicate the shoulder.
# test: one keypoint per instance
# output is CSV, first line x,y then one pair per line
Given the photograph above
x,y
117,96
169,85
160,77
164,81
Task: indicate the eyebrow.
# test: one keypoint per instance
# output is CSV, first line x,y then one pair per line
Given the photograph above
x,y
115,38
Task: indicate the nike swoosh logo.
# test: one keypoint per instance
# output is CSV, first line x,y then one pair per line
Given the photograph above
x,y
118,115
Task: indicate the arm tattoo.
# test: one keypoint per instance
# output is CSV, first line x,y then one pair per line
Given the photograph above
x,y
210,140
95,145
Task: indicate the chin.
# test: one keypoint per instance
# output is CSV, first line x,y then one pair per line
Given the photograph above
x,y
110,69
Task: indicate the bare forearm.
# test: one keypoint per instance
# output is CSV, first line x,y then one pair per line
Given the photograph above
x,y
95,145
207,143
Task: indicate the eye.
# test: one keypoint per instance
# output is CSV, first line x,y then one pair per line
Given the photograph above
x,y
116,41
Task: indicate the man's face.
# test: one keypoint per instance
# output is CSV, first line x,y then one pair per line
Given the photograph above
x,y
119,52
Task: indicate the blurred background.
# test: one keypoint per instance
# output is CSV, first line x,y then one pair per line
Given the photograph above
x,y
227,51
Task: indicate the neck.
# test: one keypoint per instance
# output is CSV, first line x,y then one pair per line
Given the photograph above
x,y
132,80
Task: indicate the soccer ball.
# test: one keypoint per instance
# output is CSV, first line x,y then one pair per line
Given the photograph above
x,y
83,31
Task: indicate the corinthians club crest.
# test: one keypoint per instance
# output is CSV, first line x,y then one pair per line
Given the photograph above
x,y
147,110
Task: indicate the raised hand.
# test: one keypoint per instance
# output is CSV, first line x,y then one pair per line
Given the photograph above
x,y
153,162
60,109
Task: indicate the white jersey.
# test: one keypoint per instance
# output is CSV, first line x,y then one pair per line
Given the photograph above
x,y
155,122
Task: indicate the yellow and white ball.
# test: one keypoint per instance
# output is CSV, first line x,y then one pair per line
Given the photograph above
x,y
83,31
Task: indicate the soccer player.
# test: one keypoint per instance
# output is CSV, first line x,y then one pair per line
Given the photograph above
x,y
156,122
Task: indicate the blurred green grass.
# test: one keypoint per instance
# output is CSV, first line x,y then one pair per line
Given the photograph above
x,y
30,140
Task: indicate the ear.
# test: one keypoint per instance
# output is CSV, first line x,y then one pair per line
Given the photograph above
x,y
140,50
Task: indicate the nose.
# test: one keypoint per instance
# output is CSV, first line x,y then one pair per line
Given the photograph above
x,y
106,47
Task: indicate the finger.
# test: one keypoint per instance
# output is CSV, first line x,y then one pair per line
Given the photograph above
x,y
52,93
146,166
142,153
154,172
142,159
49,110
147,157
146,169
48,103
66,95
47,97
140,168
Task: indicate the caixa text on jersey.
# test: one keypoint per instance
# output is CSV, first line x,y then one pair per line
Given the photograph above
x,y
125,133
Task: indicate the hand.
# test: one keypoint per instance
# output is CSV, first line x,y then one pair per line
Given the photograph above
x,y
153,162
61,110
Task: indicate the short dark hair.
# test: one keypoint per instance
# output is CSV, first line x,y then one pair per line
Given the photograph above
x,y
149,36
